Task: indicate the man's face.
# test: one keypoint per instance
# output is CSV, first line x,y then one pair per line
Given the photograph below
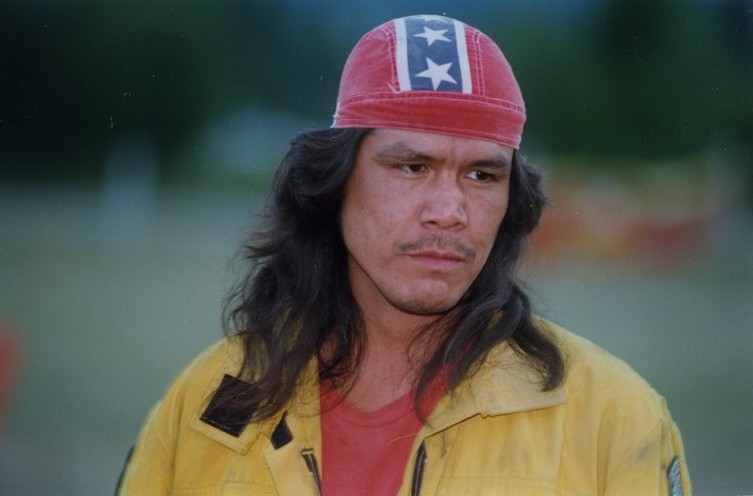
x,y
419,217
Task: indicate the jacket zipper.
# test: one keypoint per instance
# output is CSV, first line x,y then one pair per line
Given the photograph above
x,y
310,459
418,471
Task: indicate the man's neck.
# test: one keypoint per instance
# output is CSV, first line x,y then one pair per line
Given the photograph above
x,y
392,361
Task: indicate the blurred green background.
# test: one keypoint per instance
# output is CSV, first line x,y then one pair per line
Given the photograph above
x,y
137,140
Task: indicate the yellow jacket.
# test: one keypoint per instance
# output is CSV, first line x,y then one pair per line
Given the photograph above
x,y
603,432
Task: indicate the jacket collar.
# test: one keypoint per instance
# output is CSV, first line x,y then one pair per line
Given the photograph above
x,y
504,383
302,415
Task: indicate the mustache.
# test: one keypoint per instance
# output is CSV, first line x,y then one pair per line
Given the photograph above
x,y
439,242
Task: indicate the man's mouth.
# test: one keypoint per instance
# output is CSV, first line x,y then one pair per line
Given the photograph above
x,y
436,260
438,247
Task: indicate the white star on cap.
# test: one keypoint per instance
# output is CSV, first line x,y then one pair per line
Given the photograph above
x,y
432,35
437,73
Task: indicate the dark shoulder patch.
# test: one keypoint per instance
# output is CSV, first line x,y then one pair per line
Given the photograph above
x,y
218,413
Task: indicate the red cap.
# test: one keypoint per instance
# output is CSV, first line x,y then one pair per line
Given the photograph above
x,y
435,74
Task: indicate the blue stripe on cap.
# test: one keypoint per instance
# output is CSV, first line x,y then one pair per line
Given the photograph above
x,y
432,54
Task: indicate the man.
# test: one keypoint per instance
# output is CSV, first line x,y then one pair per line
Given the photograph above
x,y
381,344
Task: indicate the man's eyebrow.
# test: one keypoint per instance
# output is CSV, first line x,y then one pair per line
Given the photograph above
x,y
501,162
401,151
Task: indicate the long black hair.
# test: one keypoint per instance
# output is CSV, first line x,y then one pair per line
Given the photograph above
x,y
296,294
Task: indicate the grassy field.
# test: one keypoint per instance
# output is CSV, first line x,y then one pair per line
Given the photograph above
x,y
110,303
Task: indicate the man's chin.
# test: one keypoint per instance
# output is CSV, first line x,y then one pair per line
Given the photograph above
x,y
425,306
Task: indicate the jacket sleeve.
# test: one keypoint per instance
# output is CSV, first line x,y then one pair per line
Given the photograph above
x,y
150,468
148,471
654,464
161,445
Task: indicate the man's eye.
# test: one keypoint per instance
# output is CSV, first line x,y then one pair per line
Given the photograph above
x,y
479,175
411,168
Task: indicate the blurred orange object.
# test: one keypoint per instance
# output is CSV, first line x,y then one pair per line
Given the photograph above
x,y
10,362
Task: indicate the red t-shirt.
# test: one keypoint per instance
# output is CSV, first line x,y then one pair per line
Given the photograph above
x,y
367,452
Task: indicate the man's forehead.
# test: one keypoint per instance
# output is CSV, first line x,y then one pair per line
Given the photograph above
x,y
435,146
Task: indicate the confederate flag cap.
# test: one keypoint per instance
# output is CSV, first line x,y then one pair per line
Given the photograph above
x,y
431,73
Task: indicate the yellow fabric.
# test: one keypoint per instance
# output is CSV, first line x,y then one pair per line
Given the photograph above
x,y
604,432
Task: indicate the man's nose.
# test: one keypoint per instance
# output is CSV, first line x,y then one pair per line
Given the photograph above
x,y
444,204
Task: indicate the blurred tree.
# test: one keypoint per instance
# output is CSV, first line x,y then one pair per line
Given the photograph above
x,y
287,57
75,76
636,79
622,78
678,86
